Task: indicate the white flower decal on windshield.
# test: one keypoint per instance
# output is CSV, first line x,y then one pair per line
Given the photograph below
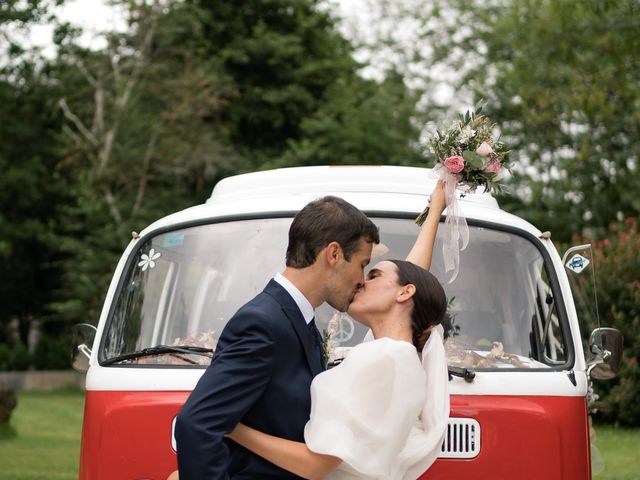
x,y
148,260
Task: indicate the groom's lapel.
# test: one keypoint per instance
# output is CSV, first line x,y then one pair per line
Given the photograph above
x,y
302,330
293,314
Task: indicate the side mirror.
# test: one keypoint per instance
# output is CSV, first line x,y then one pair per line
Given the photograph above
x,y
606,345
83,337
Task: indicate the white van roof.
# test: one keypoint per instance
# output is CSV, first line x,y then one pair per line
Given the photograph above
x,y
322,179
373,189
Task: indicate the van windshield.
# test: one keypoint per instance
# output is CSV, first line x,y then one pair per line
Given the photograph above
x,y
182,287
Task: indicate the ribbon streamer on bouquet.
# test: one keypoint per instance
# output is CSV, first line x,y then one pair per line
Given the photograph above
x,y
456,231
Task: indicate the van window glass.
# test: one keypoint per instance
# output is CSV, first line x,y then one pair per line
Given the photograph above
x,y
183,286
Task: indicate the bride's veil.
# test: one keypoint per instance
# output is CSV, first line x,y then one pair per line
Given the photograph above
x,y
425,440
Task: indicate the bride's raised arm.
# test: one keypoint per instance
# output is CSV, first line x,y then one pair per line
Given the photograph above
x,y
422,250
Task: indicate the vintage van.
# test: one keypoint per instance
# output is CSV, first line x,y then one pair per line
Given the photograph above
x,y
520,378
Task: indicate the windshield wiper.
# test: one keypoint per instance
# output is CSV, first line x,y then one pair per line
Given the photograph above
x,y
158,350
467,373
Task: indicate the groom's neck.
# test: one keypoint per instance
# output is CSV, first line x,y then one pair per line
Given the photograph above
x,y
309,281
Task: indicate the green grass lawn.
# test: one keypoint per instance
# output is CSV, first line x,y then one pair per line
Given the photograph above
x,y
43,440
620,451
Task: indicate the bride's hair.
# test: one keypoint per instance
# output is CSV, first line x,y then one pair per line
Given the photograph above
x,y
429,300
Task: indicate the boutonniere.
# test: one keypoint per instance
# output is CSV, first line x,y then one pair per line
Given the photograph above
x,y
328,342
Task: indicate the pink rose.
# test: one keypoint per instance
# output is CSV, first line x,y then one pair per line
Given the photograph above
x,y
493,167
455,164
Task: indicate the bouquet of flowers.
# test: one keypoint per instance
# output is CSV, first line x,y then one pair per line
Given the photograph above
x,y
467,156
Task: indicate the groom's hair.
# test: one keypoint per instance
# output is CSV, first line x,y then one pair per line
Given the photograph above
x,y
320,222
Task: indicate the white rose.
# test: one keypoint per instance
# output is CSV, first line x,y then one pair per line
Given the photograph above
x,y
484,150
466,133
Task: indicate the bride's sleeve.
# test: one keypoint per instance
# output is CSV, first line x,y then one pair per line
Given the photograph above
x,y
363,410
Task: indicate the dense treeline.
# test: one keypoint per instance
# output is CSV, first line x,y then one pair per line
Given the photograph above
x,y
97,143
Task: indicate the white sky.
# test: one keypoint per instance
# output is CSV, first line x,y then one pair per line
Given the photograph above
x,y
94,16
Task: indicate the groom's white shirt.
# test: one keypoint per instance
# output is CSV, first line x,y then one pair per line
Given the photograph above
x,y
301,301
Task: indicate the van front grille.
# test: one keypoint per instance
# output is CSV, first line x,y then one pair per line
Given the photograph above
x,y
462,439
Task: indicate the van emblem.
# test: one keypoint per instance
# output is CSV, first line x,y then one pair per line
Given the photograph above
x,y
577,263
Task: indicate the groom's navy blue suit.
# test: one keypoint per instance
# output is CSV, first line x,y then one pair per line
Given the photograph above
x,y
261,376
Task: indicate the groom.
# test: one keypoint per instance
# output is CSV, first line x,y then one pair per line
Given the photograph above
x,y
270,350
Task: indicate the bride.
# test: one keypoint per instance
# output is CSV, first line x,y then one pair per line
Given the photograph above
x,y
381,413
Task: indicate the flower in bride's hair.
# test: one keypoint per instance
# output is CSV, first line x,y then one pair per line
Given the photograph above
x,y
454,163
484,150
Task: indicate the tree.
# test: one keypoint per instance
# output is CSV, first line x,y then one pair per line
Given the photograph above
x,y
29,191
26,12
617,262
30,188
142,138
361,122
298,97
282,57
560,78
195,90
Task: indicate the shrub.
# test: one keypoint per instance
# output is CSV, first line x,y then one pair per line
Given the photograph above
x,y
617,266
8,403
5,357
20,358
51,354
14,358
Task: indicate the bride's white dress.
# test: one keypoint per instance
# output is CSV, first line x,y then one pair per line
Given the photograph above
x,y
383,411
